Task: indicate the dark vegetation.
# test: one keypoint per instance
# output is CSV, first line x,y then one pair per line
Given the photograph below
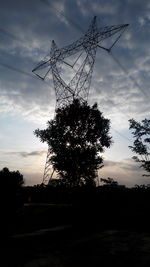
x,y
109,206
109,223
51,225
76,137
141,145
11,198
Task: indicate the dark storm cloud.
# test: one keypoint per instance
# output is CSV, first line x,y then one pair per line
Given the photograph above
x,y
27,28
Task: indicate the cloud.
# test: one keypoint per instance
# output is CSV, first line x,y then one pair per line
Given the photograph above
x,y
26,31
3,162
130,165
27,37
126,164
25,154
126,172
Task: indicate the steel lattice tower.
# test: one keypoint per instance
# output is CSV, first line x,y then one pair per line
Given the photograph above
x,y
79,85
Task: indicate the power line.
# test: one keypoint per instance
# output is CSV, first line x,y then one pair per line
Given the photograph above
x,y
19,71
81,30
116,107
115,59
77,26
16,69
28,74
129,76
12,36
122,135
6,32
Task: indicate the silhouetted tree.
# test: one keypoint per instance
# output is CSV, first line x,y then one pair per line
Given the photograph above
x,y
141,145
76,137
12,180
12,202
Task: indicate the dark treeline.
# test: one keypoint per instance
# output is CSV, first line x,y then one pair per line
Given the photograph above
x,y
107,206
111,206
56,194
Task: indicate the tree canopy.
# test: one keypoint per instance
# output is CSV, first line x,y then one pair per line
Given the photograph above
x,y
141,145
12,180
76,137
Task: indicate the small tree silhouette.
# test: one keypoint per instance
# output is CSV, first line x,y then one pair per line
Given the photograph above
x,y
141,145
12,202
76,137
11,180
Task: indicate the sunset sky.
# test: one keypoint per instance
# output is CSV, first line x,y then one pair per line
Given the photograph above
x,y
120,87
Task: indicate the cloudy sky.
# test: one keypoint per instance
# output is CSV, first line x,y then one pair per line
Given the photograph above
x,y
120,83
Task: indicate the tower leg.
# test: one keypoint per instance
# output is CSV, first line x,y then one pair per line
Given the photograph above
x,y
48,171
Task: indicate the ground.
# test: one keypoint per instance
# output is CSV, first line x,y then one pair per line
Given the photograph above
x,y
70,245
62,247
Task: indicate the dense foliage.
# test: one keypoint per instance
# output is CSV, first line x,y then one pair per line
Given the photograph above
x,y
12,180
141,145
11,197
76,137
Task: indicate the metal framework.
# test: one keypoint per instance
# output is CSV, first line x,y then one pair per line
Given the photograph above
x,y
85,48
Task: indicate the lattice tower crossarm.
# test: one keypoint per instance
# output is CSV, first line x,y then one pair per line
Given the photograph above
x,y
80,83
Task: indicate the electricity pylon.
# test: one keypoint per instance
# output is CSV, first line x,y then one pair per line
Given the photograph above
x,y
85,48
